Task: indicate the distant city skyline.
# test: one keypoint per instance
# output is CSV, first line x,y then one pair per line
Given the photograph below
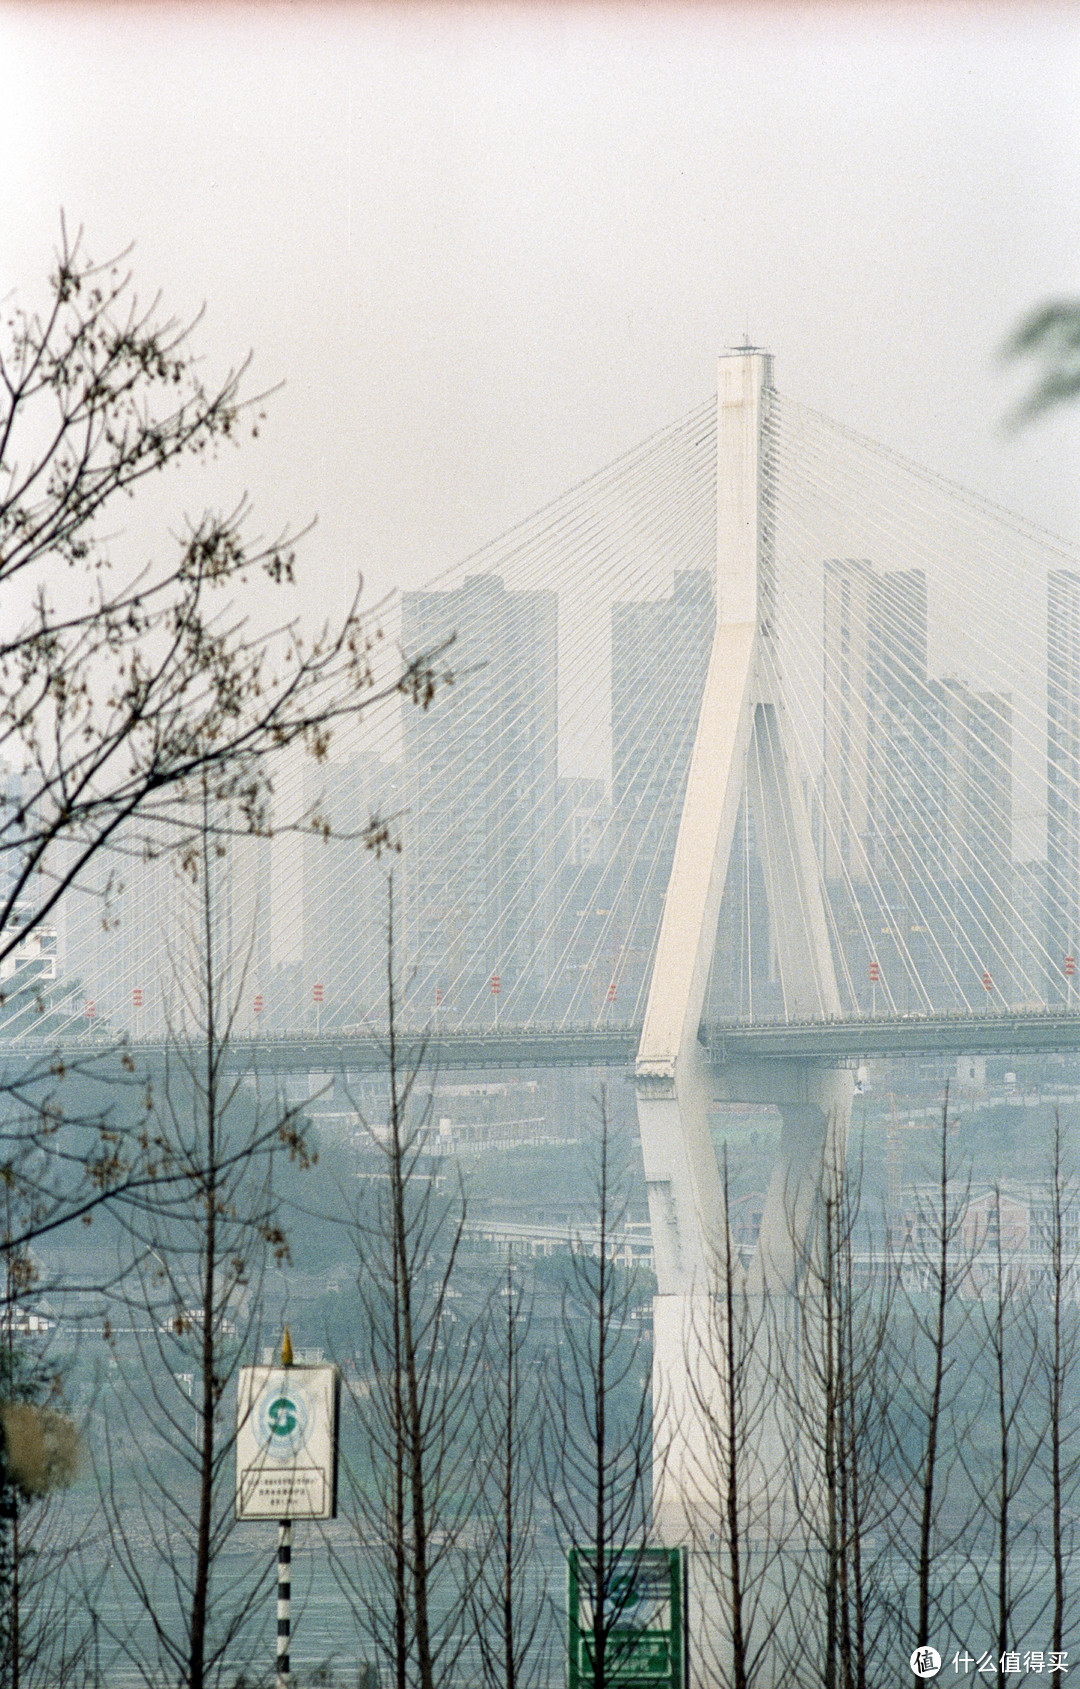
x,y
554,885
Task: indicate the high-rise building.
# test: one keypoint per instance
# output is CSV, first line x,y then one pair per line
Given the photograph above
x,y
916,805
971,823
343,895
1062,775
479,799
1032,972
878,862
901,853
845,803
584,960
659,651
874,711
659,659
135,931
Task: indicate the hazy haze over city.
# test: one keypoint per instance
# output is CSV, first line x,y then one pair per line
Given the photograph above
x,y
486,248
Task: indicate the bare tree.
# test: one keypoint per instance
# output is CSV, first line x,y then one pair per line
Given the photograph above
x,y
1060,1360
118,689
833,1378
1000,1472
123,688
935,1349
942,1289
508,1594
1056,1329
199,1241
43,1630
416,1480
866,1287
598,1422
738,1483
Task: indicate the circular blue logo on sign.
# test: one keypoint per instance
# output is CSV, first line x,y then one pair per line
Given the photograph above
x,y
281,1420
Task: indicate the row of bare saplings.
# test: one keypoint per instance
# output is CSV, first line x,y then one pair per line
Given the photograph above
x,y
875,1445
478,1439
880,1447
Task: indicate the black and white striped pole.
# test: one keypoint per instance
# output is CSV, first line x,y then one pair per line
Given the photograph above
x,y
284,1567
284,1601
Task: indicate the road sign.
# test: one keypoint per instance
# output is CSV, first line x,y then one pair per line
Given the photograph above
x,y
496,985
988,983
611,992
286,1442
438,996
317,993
91,1010
259,1005
1070,966
136,996
875,973
645,1616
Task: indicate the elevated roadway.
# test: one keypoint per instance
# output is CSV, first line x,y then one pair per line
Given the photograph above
x,y
1024,1032
828,1042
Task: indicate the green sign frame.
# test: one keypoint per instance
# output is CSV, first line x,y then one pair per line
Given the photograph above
x,y
645,1603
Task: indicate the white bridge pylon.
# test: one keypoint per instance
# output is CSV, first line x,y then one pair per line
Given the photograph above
x,y
743,744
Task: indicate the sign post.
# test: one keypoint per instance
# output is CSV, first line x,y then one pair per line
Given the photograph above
x,y
286,1461
282,1670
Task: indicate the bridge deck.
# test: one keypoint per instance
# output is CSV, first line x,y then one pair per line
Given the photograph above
x,y
835,1042
1025,1032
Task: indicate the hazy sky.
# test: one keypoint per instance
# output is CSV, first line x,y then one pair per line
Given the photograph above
x,y
488,247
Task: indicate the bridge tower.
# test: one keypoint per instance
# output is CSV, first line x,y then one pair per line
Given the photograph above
x,y
743,744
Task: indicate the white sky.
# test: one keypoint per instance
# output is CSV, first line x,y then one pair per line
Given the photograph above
x,y
488,247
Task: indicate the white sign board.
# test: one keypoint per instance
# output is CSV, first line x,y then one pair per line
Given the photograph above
x,y
286,1442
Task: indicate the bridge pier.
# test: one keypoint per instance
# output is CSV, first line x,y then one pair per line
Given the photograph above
x,y
745,1454
689,1311
813,1148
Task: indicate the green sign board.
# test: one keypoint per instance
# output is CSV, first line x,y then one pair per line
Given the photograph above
x,y
641,1607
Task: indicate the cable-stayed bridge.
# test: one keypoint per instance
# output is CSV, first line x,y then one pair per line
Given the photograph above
x,y
761,754
924,646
